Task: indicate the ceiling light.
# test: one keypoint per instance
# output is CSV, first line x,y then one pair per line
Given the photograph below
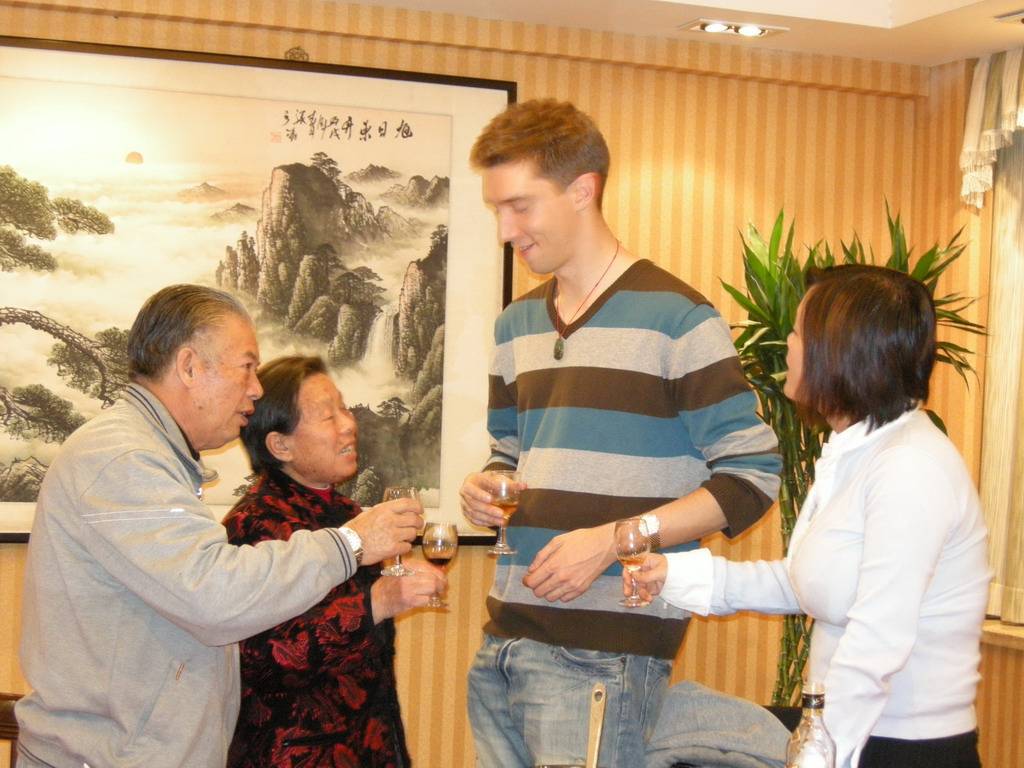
x,y
730,28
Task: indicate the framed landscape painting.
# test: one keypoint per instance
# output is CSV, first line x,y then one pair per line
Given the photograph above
x,y
337,203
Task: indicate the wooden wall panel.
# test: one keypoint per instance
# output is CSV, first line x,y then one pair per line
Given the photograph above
x,y
435,649
738,653
12,575
705,139
1000,706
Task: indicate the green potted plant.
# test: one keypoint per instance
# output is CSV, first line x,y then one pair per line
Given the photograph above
x,y
775,278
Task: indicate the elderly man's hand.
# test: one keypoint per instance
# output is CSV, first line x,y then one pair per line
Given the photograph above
x,y
391,596
388,528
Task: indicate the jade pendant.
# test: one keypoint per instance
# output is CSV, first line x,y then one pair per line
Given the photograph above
x,y
559,348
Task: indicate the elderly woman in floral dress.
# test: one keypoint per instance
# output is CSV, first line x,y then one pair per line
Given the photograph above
x,y
318,690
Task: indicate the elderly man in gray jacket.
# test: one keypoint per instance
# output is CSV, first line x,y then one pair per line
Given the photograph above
x,y
134,599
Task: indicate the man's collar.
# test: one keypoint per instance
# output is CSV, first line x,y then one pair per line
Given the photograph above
x,y
148,401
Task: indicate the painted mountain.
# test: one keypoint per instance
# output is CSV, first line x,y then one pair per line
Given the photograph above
x,y
315,268
419,193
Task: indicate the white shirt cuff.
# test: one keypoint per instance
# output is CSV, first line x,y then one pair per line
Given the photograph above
x,y
689,580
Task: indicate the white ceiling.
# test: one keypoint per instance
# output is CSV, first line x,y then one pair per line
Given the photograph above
x,y
924,32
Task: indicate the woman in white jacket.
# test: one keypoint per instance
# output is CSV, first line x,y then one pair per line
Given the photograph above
x,y
888,554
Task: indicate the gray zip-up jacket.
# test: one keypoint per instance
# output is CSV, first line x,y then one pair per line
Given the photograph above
x,y
134,599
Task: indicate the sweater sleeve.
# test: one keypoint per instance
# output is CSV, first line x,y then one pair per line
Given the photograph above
x,y
720,412
502,413
502,425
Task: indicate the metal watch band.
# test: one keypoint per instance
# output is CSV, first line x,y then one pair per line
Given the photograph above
x,y
354,541
653,530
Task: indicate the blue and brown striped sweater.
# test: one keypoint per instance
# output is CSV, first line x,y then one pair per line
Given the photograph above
x,y
647,404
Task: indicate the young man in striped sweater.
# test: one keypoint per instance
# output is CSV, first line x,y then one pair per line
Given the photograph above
x,y
616,392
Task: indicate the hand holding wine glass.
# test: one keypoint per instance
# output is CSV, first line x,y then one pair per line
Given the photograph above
x,y
632,544
649,580
390,494
505,491
440,540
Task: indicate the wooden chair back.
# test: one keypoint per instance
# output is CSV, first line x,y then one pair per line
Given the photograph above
x,y
9,724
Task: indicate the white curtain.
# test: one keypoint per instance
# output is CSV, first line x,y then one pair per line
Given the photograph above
x,y
995,117
993,158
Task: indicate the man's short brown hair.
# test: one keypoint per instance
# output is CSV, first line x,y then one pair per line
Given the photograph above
x,y
563,142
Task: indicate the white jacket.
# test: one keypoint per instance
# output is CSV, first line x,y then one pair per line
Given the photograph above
x,y
889,556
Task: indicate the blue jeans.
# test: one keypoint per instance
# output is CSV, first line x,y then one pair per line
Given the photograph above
x,y
529,703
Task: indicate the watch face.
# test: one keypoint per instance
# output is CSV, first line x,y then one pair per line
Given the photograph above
x,y
354,542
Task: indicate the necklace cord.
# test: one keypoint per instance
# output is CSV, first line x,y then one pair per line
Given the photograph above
x,y
559,328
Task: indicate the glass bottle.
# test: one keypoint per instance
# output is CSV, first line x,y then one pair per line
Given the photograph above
x,y
811,745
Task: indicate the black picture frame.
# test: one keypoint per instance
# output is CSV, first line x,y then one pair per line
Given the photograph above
x,y
55,93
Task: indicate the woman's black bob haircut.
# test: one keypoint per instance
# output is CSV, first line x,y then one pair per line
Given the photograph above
x,y
869,344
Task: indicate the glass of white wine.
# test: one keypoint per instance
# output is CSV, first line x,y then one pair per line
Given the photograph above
x,y
632,544
506,497
440,540
390,494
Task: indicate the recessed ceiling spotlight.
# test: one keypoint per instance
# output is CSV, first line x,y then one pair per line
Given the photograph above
x,y
716,27
750,30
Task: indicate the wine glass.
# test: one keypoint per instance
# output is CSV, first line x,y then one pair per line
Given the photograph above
x,y
506,497
391,493
440,540
631,547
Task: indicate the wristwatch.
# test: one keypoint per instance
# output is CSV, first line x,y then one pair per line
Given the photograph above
x,y
653,528
354,541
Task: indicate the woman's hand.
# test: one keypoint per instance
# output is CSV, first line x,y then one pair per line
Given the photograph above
x,y
649,579
392,595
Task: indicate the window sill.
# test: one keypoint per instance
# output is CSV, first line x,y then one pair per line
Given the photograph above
x,y
1003,635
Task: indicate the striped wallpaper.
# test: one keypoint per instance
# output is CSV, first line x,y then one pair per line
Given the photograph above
x,y
705,139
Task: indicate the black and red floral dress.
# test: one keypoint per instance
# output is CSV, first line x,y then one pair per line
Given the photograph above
x,y
317,691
